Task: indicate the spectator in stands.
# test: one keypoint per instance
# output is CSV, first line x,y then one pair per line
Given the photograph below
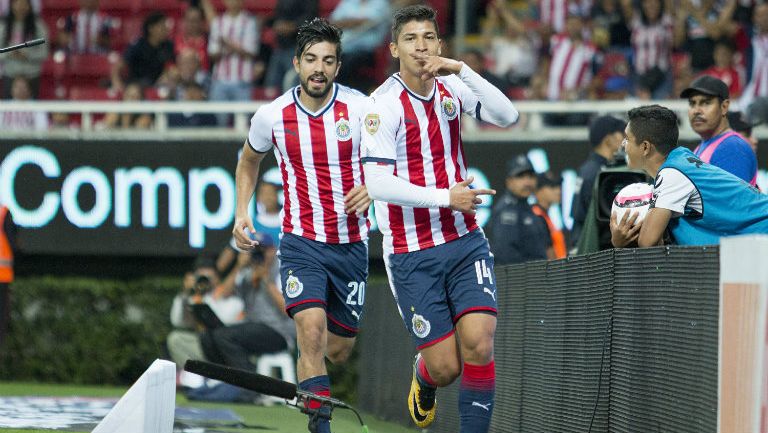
x,y
202,285
571,67
87,31
548,193
699,24
725,68
19,25
697,203
708,102
23,120
609,27
652,40
233,45
133,92
148,57
512,49
287,17
757,58
192,36
605,134
5,6
571,63
517,234
475,60
266,329
365,24
187,70
193,93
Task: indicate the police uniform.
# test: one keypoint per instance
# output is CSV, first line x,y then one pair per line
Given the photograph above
x,y
518,234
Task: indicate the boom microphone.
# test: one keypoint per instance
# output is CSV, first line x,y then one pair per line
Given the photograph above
x,y
244,379
26,44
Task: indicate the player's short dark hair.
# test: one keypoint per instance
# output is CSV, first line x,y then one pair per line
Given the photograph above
x,y
315,31
655,124
412,13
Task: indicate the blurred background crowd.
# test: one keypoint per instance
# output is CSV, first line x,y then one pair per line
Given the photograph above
x,y
222,50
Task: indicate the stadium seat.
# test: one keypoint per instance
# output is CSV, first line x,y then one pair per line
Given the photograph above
x,y
326,7
119,8
92,93
256,7
171,8
57,7
89,66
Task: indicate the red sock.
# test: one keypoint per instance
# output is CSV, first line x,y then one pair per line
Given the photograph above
x,y
423,374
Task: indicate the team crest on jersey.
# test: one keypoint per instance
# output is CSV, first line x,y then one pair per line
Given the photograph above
x,y
421,326
450,110
343,130
293,287
372,123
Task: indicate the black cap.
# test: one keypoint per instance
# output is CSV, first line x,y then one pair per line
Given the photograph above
x,y
519,165
708,86
548,179
603,126
738,121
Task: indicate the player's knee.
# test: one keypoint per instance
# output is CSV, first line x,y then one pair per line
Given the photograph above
x,y
338,355
478,351
312,339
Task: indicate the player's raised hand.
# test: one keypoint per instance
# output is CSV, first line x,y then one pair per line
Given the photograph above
x,y
244,233
357,200
624,232
435,66
465,199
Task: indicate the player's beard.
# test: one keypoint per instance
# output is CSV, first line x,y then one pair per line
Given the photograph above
x,y
322,92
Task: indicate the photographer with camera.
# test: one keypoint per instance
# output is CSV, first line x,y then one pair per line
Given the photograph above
x,y
201,286
266,329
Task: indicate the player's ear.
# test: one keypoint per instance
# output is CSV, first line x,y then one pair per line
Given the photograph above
x,y
393,50
296,64
439,47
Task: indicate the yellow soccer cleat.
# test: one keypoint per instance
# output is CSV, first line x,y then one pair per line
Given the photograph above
x,y
421,401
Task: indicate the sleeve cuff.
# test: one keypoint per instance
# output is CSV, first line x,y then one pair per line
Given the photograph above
x,y
444,197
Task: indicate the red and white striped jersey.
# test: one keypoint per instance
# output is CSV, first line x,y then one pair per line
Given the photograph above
x,y
86,28
421,138
652,44
555,12
241,30
571,66
319,158
758,82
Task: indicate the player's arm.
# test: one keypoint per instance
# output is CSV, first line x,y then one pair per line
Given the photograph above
x,y
488,102
256,146
383,185
654,224
246,176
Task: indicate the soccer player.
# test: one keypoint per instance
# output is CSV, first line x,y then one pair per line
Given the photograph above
x,y
438,260
314,130
698,202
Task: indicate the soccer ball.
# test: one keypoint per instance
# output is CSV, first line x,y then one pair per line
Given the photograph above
x,y
634,197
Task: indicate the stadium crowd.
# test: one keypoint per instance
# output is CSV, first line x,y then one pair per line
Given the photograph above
x,y
242,49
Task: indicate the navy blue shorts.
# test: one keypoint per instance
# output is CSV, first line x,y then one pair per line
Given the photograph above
x,y
435,287
329,276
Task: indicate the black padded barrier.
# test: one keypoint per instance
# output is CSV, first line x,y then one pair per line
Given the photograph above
x,y
616,341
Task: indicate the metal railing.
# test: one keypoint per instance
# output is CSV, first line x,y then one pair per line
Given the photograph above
x,y
531,127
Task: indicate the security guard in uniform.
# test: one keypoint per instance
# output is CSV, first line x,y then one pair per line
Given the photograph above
x,y
7,245
517,234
